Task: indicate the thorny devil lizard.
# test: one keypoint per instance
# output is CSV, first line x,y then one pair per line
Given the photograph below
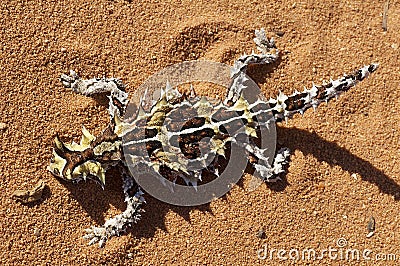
x,y
94,155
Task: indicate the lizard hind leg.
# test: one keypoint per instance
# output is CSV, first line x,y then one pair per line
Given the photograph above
x,y
268,54
266,171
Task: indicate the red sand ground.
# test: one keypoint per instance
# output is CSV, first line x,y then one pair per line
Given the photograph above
x,y
345,163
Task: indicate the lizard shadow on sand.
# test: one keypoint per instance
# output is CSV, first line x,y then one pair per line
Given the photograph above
x,y
333,154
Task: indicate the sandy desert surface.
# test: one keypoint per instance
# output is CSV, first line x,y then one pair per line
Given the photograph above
x,y
345,163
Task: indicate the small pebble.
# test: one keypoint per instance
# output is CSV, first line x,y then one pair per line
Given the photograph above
x,y
3,126
63,49
30,195
261,233
36,232
371,227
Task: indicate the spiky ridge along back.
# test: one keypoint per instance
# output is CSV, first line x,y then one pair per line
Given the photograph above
x,y
173,133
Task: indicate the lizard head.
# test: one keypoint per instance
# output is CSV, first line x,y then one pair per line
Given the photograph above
x,y
74,162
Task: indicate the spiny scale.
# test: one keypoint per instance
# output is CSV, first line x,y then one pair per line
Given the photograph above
x,y
184,136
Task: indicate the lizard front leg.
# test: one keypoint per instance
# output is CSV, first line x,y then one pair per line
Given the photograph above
x,y
118,98
118,224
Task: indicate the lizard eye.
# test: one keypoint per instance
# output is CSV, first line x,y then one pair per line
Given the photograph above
x,y
56,171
